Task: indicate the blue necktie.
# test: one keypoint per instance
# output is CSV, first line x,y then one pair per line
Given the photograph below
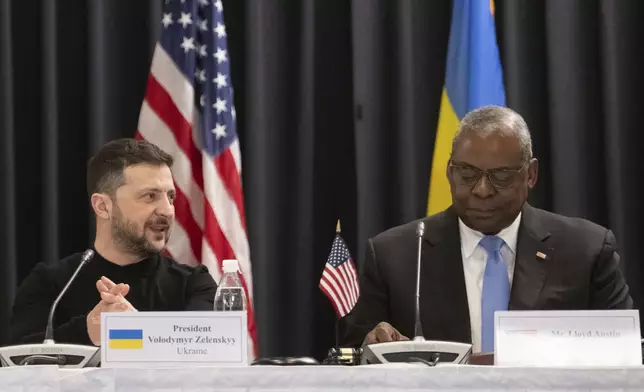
x,y
496,289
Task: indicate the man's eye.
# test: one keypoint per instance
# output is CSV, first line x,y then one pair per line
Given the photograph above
x,y
468,173
503,176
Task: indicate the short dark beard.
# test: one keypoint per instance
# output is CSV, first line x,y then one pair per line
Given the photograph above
x,y
126,237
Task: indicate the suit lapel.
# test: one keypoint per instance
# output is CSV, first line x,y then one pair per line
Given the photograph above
x,y
447,310
533,257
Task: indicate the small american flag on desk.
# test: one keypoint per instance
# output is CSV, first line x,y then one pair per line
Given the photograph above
x,y
339,280
189,112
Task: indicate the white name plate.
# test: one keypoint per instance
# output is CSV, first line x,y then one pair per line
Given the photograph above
x,y
568,338
174,339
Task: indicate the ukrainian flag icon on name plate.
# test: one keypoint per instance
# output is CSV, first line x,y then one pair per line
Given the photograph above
x,y
127,339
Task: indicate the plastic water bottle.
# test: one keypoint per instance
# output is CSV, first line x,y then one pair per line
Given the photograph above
x,y
230,295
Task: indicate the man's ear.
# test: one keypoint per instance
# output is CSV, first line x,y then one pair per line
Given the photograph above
x,y
102,205
533,173
448,172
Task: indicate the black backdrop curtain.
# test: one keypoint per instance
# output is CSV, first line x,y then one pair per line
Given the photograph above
x,y
337,107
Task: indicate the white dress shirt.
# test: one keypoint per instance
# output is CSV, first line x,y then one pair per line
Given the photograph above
x,y
474,259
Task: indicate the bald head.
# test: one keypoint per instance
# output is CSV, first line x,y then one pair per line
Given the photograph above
x,y
499,120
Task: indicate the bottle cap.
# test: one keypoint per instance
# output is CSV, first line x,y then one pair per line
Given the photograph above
x,y
230,266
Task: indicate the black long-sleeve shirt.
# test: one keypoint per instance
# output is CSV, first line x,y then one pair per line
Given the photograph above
x,y
156,284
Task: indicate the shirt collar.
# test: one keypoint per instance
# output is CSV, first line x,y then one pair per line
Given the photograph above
x,y
470,238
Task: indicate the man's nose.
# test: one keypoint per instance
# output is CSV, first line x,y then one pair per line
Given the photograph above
x,y
165,207
483,187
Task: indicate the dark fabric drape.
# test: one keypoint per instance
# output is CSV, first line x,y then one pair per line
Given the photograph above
x,y
397,93
340,101
8,243
298,105
337,106
573,69
73,77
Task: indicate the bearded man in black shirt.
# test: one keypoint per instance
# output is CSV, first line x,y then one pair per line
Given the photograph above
x,y
132,192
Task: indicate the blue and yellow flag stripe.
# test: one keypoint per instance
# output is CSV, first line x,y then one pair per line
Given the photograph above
x,y
473,78
125,338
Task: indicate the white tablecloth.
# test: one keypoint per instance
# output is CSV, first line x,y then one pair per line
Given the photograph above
x,y
374,378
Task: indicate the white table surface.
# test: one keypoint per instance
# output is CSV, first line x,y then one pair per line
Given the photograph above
x,y
374,378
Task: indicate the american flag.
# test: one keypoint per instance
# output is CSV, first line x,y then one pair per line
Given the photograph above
x,y
189,112
339,280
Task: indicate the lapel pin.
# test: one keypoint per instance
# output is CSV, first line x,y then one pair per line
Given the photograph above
x,y
542,255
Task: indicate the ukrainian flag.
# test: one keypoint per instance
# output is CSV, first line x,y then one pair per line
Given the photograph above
x,y
473,78
131,339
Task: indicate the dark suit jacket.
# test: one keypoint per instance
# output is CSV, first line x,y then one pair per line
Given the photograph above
x,y
581,271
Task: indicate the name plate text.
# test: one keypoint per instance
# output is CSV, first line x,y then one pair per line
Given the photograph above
x,y
568,338
174,339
